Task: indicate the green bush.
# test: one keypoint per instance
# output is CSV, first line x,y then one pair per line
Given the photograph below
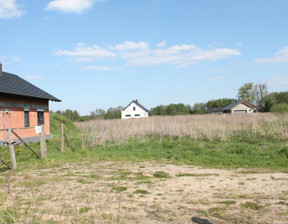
x,y
280,108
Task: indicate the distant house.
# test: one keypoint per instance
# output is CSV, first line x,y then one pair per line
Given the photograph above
x,y
23,106
134,110
238,107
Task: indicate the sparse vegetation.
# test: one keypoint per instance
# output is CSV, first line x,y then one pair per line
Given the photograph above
x,y
119,189
252,205
160,174
196,174
140,191
227,202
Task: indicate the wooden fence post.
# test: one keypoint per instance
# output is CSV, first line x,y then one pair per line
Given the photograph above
x,y
43,143
12,152
62,138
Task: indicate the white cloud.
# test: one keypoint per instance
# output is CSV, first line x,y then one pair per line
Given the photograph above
x,y
86,53
278,80
162,44
214,70
243,64
71,6
217,78
139,53
178,55
98,68
9,9
34,77
7,60
16,59
239,44
130,45
279,56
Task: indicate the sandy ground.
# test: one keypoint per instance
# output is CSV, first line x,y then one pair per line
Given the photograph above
x,y
125,192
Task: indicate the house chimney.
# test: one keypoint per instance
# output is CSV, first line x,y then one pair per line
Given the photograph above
x,y
0,69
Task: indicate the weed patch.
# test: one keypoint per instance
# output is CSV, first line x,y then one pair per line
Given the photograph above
x,y
252,205
120,189
140,191
161,174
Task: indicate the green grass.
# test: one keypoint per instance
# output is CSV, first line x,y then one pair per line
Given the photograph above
x,y
196,174
227,202
84,209
140,191
161,174
120,189
235,153
252,206
239,151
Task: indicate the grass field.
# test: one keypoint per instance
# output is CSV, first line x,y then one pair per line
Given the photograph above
x,y
259,141
209,127
156,170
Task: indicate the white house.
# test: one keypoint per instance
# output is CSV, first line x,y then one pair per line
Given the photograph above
x,y
134,110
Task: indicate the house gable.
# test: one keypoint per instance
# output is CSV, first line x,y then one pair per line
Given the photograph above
x,y
134,110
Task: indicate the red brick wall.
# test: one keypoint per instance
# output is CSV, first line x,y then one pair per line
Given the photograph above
x,y
17,114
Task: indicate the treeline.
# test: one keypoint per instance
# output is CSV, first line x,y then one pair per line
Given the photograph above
x,y
197,108
171,109
275,102
254,93
111,113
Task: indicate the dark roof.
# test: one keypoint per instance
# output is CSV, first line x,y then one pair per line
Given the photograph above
x,y
245,102
137,103
215,110
13,84
232,105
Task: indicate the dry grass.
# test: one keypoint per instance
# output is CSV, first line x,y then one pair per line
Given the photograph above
x,y
220,127
125,192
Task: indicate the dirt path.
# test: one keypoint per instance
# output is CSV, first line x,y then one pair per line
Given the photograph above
x,y
125,192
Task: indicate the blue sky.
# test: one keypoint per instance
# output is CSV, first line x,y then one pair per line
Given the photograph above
x,y
99,54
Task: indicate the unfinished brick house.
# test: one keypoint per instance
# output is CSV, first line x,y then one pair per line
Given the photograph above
x,y
23,106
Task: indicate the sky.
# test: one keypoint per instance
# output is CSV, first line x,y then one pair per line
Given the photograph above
x,y
105,53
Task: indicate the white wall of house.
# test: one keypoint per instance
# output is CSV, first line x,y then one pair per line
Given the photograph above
x,y
242,109
133,111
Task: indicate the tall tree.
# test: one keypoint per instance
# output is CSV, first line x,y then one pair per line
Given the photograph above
x,y
247,92
253,93
261,91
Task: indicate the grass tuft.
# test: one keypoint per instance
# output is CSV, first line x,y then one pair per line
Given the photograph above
x,y
252,205
161,174
140,191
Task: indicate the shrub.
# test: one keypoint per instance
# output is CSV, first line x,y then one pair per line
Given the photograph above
x,y
280,108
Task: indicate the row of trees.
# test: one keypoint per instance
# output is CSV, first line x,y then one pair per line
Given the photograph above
x,y
111,113
202,108
275,102
197,108
254,93
72,115
171,109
